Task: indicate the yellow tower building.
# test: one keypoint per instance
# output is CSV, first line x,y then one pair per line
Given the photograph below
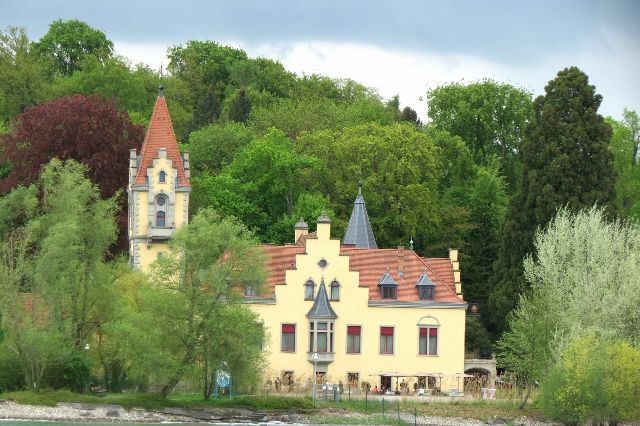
x,y
158,189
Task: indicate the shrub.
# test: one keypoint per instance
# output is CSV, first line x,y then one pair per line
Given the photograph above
x,y
11,377
594,380
73,372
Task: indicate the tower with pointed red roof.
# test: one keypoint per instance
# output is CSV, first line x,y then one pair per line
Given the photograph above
x,y
158,190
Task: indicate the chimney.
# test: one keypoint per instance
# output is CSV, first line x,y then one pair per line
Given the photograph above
x,y
133,166
401,261
301,228
324,227
455,264
185,164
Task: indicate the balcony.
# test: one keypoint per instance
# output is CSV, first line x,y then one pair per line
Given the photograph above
x,y
156,233
323,357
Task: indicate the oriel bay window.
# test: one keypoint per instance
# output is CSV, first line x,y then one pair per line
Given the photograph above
x,y
353,339
321,336
386,340
428,343
288,342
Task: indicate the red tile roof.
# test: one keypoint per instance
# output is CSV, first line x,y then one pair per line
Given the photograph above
x,y
160,135
371,264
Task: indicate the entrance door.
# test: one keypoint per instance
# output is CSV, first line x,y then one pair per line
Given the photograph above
x,y
385,383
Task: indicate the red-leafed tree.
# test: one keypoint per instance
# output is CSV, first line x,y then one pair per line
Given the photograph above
x,y
90,130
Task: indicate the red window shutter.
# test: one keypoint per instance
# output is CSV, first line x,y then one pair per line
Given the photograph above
x,y
386,331
433,332
288,328
423,331
353,329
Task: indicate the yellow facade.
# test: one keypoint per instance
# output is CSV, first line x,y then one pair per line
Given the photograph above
x,y
354,308
158,193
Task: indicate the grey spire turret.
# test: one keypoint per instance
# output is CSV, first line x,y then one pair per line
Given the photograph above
x,y
359,232
321,308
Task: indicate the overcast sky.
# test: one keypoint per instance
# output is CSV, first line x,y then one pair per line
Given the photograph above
x,y
398,47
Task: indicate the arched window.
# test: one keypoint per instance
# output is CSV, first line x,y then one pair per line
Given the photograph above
x,y
160,220
428,335
335,290
309,288
162,176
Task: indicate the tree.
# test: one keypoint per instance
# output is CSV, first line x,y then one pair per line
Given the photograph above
x,y
193,302
23,78
595,381
74,232
240,107
625,146
54,279
87,129
261,185
213,147
67,43
585,279
204,67
111,78
566,161
490,118
398,165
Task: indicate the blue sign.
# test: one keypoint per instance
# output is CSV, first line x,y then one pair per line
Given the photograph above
x,y
223,379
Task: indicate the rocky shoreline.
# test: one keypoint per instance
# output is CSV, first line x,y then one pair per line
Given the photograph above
x,y
112,413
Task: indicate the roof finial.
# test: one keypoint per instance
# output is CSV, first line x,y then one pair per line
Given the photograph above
x,y
161,91
360,187
411,244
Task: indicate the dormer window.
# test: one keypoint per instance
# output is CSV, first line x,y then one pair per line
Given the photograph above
x,y
426,288
162,176
425,293
309,289
335,290
388,287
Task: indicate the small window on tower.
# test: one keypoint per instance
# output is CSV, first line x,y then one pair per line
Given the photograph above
x,y
161,201
162,178
160,220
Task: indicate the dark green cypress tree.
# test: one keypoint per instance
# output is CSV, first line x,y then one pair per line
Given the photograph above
x,y
240,107
565,161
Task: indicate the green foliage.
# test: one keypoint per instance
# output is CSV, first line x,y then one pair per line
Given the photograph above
x,y
110,79
625,146
213,147
580,259
399,168
594,380
67,43
566,162
17,207
55,289
11,377
490,118
189,317
205,69
72,372
23,78
319,104
262,184
476,338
